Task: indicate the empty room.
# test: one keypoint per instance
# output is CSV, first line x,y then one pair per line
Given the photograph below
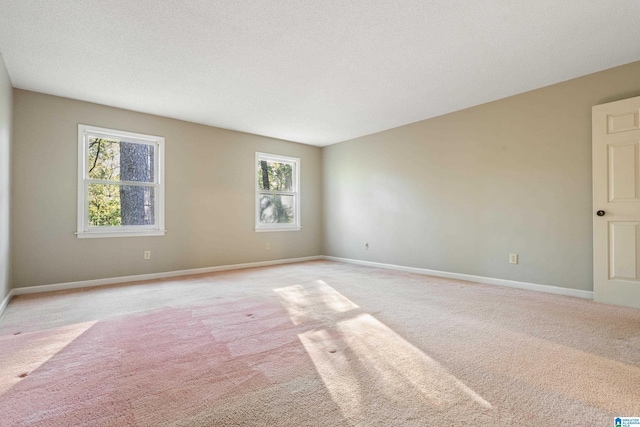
x,y
337,213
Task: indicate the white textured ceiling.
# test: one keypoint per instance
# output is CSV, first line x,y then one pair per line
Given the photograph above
x,y
315,71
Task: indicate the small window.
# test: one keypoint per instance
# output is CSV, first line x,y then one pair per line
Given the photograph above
x,y
120,183
277,193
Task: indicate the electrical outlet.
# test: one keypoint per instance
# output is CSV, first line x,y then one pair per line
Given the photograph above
x,y
147,254
366,246
513,258
267,246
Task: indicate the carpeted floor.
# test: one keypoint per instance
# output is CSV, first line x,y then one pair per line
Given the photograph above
x,y
316,344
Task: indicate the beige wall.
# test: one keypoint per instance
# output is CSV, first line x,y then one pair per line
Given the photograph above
x,y
5,175
458,193
209,197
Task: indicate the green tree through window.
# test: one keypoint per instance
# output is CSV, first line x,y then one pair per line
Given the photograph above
x,y
120,182
115,205
277,192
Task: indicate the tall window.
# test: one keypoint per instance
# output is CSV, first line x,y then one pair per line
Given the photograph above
x,y
120,183
277,193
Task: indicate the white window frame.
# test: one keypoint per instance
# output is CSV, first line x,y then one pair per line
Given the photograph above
x,y
296,226
85,132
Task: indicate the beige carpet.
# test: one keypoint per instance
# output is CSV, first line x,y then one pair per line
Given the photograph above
x,y
316,344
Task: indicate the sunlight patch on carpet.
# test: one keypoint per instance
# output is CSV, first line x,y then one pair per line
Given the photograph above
x,y
321,300
362,361
24,353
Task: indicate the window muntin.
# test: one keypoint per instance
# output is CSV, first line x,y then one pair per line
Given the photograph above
x,y
120,183
277,192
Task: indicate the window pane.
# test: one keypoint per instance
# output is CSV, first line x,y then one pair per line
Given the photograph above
x,y
275,176
116,160
116,205
104,205
276,209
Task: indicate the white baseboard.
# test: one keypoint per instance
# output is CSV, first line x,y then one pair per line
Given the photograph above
x,y
5,301
151,276
470,278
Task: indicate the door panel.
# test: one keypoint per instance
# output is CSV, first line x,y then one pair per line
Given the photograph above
x,y
623,122
623,250
623,176
616,191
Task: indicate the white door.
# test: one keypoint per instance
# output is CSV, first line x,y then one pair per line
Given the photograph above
x,y
616,202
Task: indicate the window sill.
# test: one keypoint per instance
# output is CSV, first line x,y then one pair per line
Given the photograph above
x,y
99,234
270,229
